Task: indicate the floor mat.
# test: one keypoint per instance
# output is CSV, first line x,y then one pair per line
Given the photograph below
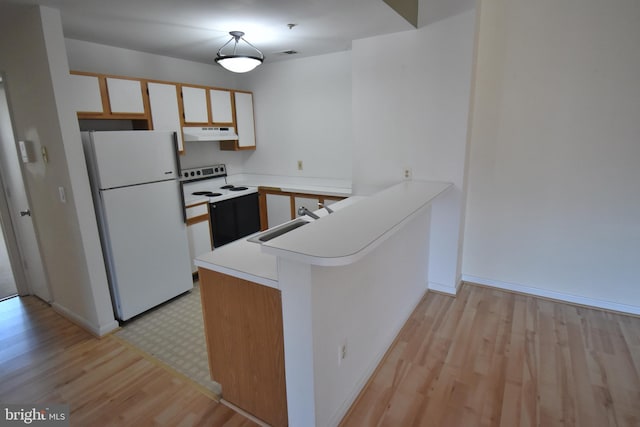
x,y
174,334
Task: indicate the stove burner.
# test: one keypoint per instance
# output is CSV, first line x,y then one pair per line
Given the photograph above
x,y
238,188
206,193
226,187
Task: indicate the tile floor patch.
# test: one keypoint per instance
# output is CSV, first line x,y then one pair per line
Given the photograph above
x,y
174,334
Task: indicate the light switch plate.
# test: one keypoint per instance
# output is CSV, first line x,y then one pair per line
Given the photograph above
x,y
26,151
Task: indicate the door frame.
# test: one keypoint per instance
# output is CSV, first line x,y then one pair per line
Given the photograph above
x,y
16,243
10,239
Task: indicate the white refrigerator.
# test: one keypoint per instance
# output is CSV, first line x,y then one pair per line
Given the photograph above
x,y
140,211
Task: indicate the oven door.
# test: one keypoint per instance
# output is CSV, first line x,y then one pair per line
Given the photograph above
x,y
233,219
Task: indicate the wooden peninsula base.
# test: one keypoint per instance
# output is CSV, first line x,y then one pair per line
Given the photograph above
x,y
243,330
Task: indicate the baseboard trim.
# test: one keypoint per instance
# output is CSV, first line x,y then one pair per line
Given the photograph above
x,y
444,289
545,293
99,331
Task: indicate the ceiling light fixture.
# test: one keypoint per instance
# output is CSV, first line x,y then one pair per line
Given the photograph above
x,y
237,62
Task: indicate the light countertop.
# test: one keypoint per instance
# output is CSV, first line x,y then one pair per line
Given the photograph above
x,y
320,186
350,233
248,261
357,226
242,259
293,184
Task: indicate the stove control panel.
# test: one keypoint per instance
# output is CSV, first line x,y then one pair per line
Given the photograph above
x,y
203,172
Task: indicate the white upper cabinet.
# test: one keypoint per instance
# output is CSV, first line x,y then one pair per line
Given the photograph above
x,y
165,114
85,91
194,103
244,120
125,96
221,107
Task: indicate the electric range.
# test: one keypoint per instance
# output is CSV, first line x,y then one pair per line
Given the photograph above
x,y
210,183
234,211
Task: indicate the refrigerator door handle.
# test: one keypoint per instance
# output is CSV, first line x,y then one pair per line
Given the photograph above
x,y
184,208
176,152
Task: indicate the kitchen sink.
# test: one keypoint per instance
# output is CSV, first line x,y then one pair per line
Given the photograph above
x,y
272,233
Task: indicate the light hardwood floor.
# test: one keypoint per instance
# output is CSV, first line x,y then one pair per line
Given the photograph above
x,y
485,358
493,358
44,358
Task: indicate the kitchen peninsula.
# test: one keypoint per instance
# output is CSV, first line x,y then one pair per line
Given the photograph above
x,y
322,303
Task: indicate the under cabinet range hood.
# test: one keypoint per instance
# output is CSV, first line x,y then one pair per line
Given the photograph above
x,y
192,133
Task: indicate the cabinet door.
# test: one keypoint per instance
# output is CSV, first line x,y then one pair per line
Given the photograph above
x,y
86,94
221,109
125,96
278,209
244,120
165,114
194,103
199,236
245,344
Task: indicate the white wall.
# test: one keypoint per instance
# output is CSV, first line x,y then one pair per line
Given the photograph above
x,y
103,59
363,306
554,194
33,56
303,112
412,111
302,107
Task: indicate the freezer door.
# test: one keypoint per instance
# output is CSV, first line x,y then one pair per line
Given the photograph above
x,y
146,244
132,157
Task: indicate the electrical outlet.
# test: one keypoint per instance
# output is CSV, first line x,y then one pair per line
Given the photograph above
x,y
299,165
407,174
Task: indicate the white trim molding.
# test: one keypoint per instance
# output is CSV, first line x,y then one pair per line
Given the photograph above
x,y
445,289
98,331
546,293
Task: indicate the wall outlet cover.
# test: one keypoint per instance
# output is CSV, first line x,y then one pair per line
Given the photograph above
x,y
407,174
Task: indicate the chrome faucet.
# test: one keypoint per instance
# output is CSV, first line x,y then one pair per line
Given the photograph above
x,y
322,205
304,211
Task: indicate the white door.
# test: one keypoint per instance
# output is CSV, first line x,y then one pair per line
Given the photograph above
x,y
278,209
147,239
163,99
21,239
132,157
194,105
221,108
244,118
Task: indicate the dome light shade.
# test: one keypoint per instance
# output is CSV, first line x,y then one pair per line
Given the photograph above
x,y
237,62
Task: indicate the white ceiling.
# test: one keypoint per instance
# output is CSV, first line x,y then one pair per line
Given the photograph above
x,y
195,29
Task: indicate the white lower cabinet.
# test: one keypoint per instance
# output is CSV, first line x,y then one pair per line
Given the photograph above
x,y
278,209
198,232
